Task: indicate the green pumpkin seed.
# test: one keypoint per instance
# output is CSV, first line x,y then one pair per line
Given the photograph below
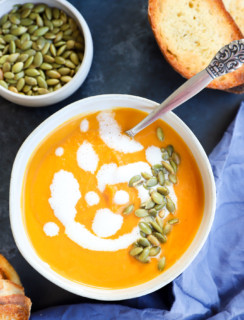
x,y
149,204
152,182
30,52
9,75
50,36
79,46
160,134
17,67
32,29
6,67
143,257
56,13
28,6
6,25
133,179
69,64
154,251
145,228
143,234
128,209
173,178
46,66
25,13
146,175
11,81
68,32
143,242
52,82
167,228
70,44
38,59
59,44
3,19
32,72
13,89
173,165
61,60
135,251
26,45
28,62
30,81
64,71
157,197
61,50
161,178
39,21
26,22
3,84
173,221
20,84
161,237
157,167
14,19
170,205
3,59
163,190
159,206
48,59
48,24
18,31
58,37
41,82
140,213
74,58
167,183
53,74
53,50
41,31
19,75
42,91
161,264
170,150
156,227
64,27
176,158
5,50
12,47
152,212
9,37
168,167
66,54
159,222
153,240
39,8
48,12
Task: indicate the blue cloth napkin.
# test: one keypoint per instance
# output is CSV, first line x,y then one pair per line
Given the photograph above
x,y
213,285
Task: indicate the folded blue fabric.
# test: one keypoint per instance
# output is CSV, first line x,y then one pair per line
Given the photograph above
x,y
213,286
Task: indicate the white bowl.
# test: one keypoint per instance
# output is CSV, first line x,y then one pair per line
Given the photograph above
x,y
80,76
89,105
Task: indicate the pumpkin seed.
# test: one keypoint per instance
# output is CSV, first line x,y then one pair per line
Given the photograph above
x,y
42,91
152,212
161,178
3,84
161,237
157,197
170,205
70,44
52,82
167,228
26,22
160,134
135,251
74,58
173,165
173,178
9,75
30,81
61,60
154,251
152,182
13,57
146,175
149,204
48,13
14,19
161,264
20,84
156,227
143,257
170,150
168,167
39,8
167,183
163,190
134,178
41,31
38,59
176,158
56,13
28,62
6,66
128,209
41,82
173,221
3,19
69,63
25,13
159,222
39,21
18,31
17,67
32,29
145,228
32,72
12,47
153,240
140,213
46,66
13,89
161,213
143,242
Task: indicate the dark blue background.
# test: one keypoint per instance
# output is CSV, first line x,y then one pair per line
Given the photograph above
x,y
126,60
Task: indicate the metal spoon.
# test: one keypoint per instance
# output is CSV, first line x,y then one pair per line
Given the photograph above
x,y
228,59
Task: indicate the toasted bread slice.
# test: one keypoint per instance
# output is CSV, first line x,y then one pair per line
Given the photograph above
x,y
236,10
7,271
13,312
189,34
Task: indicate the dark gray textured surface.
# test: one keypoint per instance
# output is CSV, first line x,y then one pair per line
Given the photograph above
x,y
126,60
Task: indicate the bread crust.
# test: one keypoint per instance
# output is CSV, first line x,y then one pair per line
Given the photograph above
x,y
231,80
7,271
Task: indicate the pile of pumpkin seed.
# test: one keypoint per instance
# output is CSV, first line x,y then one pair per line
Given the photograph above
x,y
153,228
41,49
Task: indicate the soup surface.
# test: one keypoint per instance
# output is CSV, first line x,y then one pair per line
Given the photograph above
x,y
76,190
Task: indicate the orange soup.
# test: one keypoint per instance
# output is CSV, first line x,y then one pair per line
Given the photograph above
x,y
80,205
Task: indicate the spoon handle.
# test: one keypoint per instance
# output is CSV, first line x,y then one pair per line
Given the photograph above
x,y
227,59
189,89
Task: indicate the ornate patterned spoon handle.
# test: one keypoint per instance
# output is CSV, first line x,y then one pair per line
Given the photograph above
x,y
228,59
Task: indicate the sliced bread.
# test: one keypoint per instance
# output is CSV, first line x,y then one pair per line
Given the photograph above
x,y
189,34
236,10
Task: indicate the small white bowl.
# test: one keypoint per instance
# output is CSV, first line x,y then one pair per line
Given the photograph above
x,y
93,104
80,76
